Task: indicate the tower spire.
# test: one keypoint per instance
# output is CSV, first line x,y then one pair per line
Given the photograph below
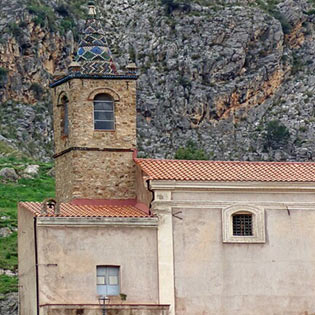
x,y
92,9
93,53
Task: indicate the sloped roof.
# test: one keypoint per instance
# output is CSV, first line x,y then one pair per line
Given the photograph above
x,y
222,171
75,210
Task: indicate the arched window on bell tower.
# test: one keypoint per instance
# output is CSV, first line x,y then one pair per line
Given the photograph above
x,y
64,116
104,112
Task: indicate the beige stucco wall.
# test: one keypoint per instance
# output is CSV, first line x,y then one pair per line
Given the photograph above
x,y
277,277
113,173
68,257
26,260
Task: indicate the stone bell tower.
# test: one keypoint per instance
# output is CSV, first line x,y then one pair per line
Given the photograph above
x,y
94,110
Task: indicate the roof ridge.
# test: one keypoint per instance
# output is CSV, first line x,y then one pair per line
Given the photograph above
x,y
137,160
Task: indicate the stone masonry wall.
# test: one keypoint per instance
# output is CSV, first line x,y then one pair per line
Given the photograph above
x,y
103,175
95,174
81,93
64,177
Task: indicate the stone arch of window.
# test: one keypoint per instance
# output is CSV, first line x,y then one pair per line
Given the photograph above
x,y
104,112
255,217
107,91
60,97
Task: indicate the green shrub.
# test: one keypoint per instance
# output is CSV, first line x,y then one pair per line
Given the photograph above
x,y
63,10
3,73
297,64
286,26
3,76
191,152
269,6
66,25
44,15
75,8
276,135
185,82
171,5
15,30
37,90
310,12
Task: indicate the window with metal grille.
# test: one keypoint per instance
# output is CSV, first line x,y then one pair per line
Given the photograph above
x,y
104,112
242,225
107,280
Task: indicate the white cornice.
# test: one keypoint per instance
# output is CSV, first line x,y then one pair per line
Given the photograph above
x,y
209,204
97,221
228,186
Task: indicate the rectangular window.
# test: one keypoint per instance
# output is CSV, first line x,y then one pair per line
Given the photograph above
x,y
104,115
242,225
107,280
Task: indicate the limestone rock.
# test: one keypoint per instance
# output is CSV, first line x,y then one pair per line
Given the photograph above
x,y
31,171
9,304
4,232
9,174
7,272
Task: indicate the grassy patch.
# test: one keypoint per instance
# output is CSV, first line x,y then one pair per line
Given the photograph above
x,y
8,284
5,149
26,189
8,252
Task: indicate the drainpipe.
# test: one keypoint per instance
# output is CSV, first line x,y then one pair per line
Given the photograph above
x,y
36,265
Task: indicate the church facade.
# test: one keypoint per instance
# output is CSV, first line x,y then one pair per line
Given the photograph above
x,y
128,235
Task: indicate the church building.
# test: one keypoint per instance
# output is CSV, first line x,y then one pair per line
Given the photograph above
x,y
133,236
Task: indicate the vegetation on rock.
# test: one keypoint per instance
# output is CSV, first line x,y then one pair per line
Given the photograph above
x,y
191,152
277,135
25,189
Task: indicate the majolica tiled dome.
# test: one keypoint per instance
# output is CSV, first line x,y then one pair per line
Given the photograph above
x,y
93,54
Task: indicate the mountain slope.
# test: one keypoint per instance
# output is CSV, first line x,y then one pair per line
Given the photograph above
x,y
235,78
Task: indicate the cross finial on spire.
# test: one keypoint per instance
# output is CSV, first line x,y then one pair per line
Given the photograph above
x,y
92,9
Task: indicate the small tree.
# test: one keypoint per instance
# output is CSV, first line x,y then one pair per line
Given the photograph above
x,y
276,135
37,90
191,152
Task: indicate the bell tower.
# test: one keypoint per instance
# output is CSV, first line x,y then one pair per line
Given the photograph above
x,y
94,109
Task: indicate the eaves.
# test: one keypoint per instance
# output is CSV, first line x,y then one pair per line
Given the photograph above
x,y
146,222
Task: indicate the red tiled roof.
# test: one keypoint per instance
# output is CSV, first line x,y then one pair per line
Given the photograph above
x,y
72,210
221,171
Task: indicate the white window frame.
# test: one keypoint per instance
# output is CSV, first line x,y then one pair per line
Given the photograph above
x,y
107,267
258,224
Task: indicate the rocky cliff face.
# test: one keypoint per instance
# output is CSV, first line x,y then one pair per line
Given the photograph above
x,y
236,77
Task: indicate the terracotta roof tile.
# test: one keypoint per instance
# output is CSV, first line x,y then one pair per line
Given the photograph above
x,y
72,210
222,171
